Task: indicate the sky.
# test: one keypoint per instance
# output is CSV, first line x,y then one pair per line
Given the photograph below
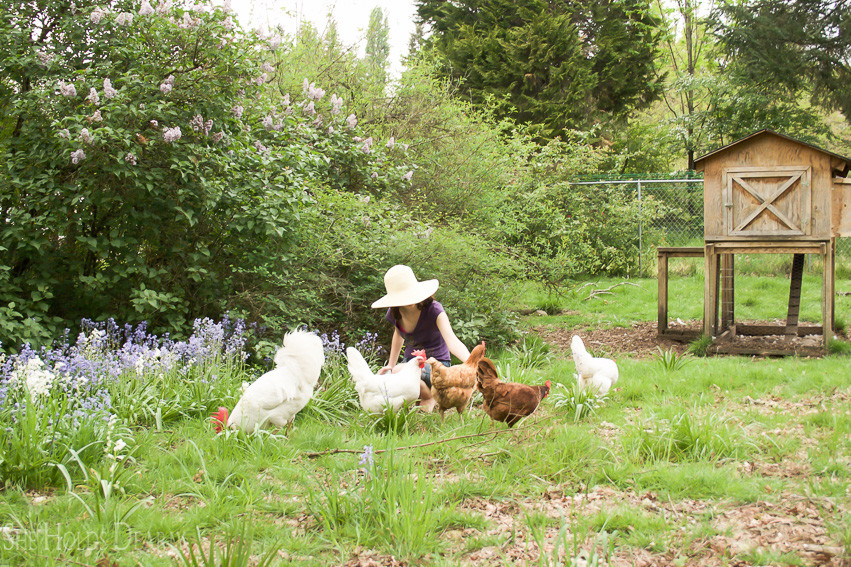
x,y
352,17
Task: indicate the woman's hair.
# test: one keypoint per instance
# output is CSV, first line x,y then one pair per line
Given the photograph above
x,y
397,313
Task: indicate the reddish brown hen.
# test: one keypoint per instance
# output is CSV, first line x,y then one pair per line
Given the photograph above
x,y
507,401
453,386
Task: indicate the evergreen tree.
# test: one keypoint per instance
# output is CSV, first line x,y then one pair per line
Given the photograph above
x,y
554,64
791,46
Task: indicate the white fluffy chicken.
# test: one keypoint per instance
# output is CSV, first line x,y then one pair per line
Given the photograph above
x,y
277,396
594,374
380,391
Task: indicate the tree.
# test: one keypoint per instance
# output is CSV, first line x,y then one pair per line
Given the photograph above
x,y
553,64
378,45
793,46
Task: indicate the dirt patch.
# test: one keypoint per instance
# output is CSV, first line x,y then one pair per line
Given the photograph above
x,y
639,340
794,526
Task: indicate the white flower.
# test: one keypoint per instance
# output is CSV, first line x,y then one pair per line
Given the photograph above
x,y
287,99
108,91
64,133
217,137
390,143
374,175
165,88
85,136
310,109
268,122
407,176
266,67
34,374
120,444
274,42
261,79
352,121
227,23
130,158
330,129
146,9
96,117
305,86
163,6
237,111
315,93
78,156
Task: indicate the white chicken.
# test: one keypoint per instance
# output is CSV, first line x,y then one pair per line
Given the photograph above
x,y
278,395
380,391
594,374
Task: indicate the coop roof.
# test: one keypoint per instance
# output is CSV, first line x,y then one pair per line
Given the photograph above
x,y
842,172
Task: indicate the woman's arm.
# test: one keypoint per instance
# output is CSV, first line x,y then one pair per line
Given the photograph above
x,y
455,345
395,349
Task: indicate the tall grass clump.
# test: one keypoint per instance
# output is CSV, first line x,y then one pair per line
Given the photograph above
x,y
390,505
686,436
573,399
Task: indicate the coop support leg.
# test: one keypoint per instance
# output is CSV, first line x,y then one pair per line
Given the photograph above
x,y
727,294
828,290
794,296
662,325
710,292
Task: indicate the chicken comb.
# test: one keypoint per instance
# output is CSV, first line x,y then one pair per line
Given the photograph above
x,y
420,352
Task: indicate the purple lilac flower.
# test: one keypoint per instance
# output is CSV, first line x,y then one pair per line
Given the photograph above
x,y
78,156
336,104
64,133
407,176
146,9
268,122
124,19
85,136
217,137
172,134
390,143
237,111
352,121
310,108
67,89
108,91
130,158
96,117
274,42
97,15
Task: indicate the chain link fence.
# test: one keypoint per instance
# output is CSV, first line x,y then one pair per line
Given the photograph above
x,y
671,214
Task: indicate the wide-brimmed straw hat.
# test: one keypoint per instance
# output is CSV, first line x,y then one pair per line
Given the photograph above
x,y
404,289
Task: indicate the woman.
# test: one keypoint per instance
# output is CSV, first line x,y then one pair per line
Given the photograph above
x,y
420,322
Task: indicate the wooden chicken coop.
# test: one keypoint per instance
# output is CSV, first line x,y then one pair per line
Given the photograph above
x,y
769,194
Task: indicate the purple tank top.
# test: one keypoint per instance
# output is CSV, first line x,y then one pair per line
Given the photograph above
x,y
425,335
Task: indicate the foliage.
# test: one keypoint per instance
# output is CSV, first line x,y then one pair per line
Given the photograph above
x,y
552,65
794,47
238,542
146,169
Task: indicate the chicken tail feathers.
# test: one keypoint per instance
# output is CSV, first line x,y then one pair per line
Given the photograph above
x,y
357,364
220,419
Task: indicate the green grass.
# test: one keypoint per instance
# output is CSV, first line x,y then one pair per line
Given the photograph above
x,y
715,431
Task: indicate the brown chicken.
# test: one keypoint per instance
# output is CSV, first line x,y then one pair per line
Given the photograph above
x,y
507,401
453,386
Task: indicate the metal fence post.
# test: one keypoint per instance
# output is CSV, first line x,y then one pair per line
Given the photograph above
x,y
640,224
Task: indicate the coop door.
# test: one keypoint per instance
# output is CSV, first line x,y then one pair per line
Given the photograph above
x,y
767,201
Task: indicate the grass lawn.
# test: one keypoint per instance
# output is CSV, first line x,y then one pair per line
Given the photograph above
x,y
688,461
